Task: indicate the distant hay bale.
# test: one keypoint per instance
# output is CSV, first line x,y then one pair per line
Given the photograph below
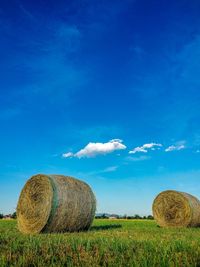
x,y
55,203
176,209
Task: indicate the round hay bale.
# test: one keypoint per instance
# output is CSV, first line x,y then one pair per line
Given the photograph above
x,y
176,209
55,203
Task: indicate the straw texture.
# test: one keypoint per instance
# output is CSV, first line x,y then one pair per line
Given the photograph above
x,y
55,203
176,209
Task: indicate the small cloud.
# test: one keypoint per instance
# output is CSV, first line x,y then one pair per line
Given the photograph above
x,y
145,147
140,158
94,149
67,155
198,151
172,148
178,146
137,149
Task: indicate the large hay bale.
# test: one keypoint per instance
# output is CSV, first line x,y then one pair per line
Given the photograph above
x,y
55,203
176,209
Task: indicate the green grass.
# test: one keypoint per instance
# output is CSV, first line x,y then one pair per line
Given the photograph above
x,y
109,243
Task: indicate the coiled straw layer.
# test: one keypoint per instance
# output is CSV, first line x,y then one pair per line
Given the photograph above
x,y
176,209
55,203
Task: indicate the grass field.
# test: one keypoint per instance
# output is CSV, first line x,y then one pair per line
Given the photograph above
x,y
108,243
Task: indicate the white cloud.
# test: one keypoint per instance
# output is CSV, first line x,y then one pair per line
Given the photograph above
x,y
94,149
178,146
145,147
67,155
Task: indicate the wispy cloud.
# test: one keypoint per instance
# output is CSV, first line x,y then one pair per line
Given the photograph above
x,y
106,170
110,169
172,148
144,148
26,11
135,159
69,37
94,149
98,173
178,146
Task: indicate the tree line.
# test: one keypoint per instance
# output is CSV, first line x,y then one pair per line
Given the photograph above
x,y
98,216
136,216
12,216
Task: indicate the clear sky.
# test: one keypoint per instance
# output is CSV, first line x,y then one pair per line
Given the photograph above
x,y
106,91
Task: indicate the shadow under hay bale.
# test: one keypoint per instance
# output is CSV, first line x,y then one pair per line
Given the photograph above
x,y
176,209
55,203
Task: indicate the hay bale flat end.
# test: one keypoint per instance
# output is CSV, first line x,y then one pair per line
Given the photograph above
x,y
176,209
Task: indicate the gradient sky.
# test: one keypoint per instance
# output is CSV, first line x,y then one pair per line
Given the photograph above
x,y
87,71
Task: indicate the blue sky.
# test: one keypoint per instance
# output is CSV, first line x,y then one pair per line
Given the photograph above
x,y
105,91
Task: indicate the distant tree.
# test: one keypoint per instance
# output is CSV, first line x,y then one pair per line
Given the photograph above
x,y
150,217
14,215
1,216
136,216
144,217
